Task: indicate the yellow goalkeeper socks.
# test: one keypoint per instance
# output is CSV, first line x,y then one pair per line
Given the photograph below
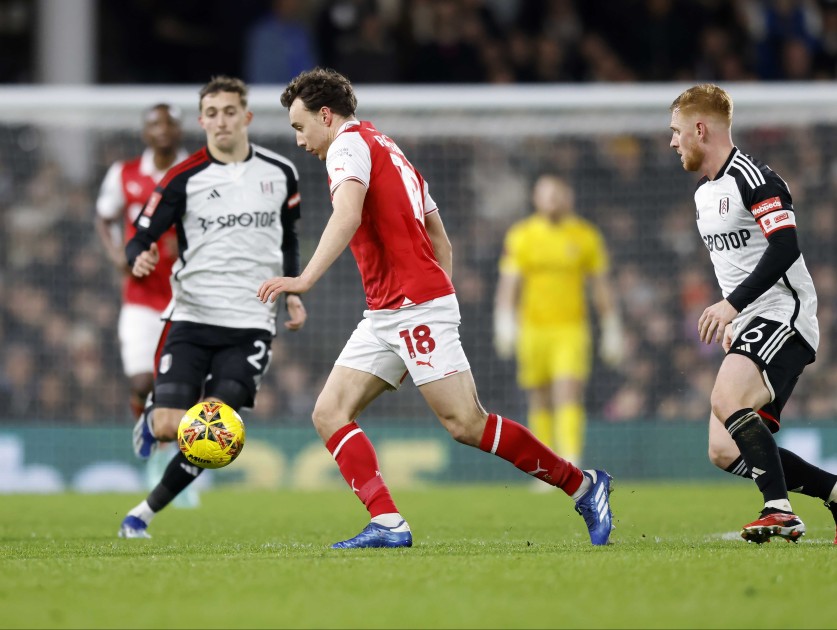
x,y
569,431
541,424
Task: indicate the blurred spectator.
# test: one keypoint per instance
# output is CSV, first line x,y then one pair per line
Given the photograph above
x,y
475,40
338,25
825,65
664,38
278,46
371,57
18,381
773,24
797,60
452,53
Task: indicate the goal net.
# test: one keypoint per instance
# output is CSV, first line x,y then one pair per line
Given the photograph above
x,y
61,384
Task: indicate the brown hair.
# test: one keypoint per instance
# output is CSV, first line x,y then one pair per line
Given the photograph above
x,y
321,87
224,84
705,98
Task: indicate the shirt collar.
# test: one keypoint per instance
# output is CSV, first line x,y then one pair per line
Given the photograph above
x,y
346,125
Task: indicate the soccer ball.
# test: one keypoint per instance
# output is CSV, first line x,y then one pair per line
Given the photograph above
x,y
211,434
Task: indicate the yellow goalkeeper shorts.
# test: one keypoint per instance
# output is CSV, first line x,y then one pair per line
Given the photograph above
x,y
548,354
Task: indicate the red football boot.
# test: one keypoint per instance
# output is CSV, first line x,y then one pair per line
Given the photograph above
x,y
782,524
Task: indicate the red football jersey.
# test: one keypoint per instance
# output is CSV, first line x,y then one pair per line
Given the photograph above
x,y
126,189
392,249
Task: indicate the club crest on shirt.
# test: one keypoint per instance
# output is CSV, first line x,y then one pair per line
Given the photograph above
x,y
133,188
272,187
165,363
723,207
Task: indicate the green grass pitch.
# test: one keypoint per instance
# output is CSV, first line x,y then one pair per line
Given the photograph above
x,y
484,557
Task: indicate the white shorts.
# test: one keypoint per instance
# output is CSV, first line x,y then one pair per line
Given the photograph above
x,y
422,340
140,328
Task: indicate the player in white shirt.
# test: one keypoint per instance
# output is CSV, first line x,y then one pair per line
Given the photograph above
x,y
767,320
235,206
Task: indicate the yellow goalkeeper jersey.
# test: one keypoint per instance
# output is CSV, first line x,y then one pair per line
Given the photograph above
x,y
553,261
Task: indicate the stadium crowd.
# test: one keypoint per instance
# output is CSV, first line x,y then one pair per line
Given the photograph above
x,y
59,300
474,41
460,41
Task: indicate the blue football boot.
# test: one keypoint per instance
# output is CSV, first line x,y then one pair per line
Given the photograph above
x,y
133,527
594,506
374,535
144,441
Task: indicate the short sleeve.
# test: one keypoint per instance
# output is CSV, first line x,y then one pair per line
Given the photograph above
x,y
597,259
111,200
510,258
429,204
349,157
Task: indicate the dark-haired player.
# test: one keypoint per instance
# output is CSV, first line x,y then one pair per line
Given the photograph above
x,y
383,210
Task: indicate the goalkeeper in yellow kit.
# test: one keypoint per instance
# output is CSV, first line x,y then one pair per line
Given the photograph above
x,y
541,312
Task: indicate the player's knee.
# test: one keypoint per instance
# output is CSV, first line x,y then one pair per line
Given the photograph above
x,y
459,432
320,416
165,422
464,428
723,406
720,456
327,418
231,392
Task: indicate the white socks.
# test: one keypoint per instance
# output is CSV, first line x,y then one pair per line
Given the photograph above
x,y
586,484
779,504
391,520
143,512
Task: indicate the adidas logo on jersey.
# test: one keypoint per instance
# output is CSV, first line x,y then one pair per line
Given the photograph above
x,y
214,194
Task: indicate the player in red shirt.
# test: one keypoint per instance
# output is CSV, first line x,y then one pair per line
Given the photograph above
x,y
383,210
124,191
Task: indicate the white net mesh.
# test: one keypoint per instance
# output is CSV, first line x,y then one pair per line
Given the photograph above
x,y
479,148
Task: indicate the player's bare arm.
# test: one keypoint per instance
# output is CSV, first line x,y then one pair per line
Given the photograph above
x,y
112,245
146,262
341,227
714,321
440,241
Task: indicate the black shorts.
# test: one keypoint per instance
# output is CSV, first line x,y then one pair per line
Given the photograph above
x,y
194,357
781,356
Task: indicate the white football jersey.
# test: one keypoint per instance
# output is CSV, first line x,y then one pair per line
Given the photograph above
x,y
736,212
233,223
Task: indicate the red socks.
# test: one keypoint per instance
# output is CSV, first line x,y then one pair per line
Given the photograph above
x,y
355,456
516,444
